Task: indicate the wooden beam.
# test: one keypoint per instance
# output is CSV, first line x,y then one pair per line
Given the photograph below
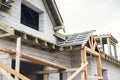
x,y
41,61
83,61
92,51
18,55
6,74
99,66
45,75
59,35
34,59
10,70
95,45
90,44
78,71
5,30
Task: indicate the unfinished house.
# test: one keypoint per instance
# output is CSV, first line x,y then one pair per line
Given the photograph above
x,y
31,47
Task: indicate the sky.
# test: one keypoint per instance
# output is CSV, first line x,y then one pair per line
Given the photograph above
x,y
84,15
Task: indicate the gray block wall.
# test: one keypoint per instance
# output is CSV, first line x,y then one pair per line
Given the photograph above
x,y
112,70
61,58
12,19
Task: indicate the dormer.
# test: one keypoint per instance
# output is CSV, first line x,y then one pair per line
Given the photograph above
x,y
107,44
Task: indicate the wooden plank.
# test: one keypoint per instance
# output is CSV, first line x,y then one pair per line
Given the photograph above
x,y
90,44
6,29
78,71
10,70
45,75
34,59
92,51
41,61
6,74
99,66
18,55
11,51
109,47
59,35
95,45
83,61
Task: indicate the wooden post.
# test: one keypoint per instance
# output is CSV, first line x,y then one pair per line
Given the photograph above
x,y
83,61
99,67
109,47
115,51
18,55
101,44
45,75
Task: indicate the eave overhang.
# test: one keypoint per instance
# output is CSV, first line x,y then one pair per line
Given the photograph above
x,y
54,14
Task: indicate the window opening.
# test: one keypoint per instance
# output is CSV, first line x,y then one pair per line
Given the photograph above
x,y
29,17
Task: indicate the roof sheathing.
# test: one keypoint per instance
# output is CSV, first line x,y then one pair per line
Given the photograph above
x,y
76,39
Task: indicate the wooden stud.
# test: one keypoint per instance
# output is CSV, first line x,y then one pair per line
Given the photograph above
x,y
18,55
94,46
90,43
99,68
83,60
45,75
109,46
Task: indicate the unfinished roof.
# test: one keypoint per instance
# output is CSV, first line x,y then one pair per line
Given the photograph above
x,y
76,39
106,36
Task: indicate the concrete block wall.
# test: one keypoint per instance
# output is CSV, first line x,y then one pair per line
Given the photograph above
x,y
67,59
45,25
76,63
61,58
6,61
112,70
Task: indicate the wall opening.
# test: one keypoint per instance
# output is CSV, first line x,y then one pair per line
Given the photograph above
x,y
29,17
61,76
29,70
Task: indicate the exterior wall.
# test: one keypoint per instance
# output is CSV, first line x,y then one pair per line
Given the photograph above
x,y
67,59
113,70
76,63
45,25
63,59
